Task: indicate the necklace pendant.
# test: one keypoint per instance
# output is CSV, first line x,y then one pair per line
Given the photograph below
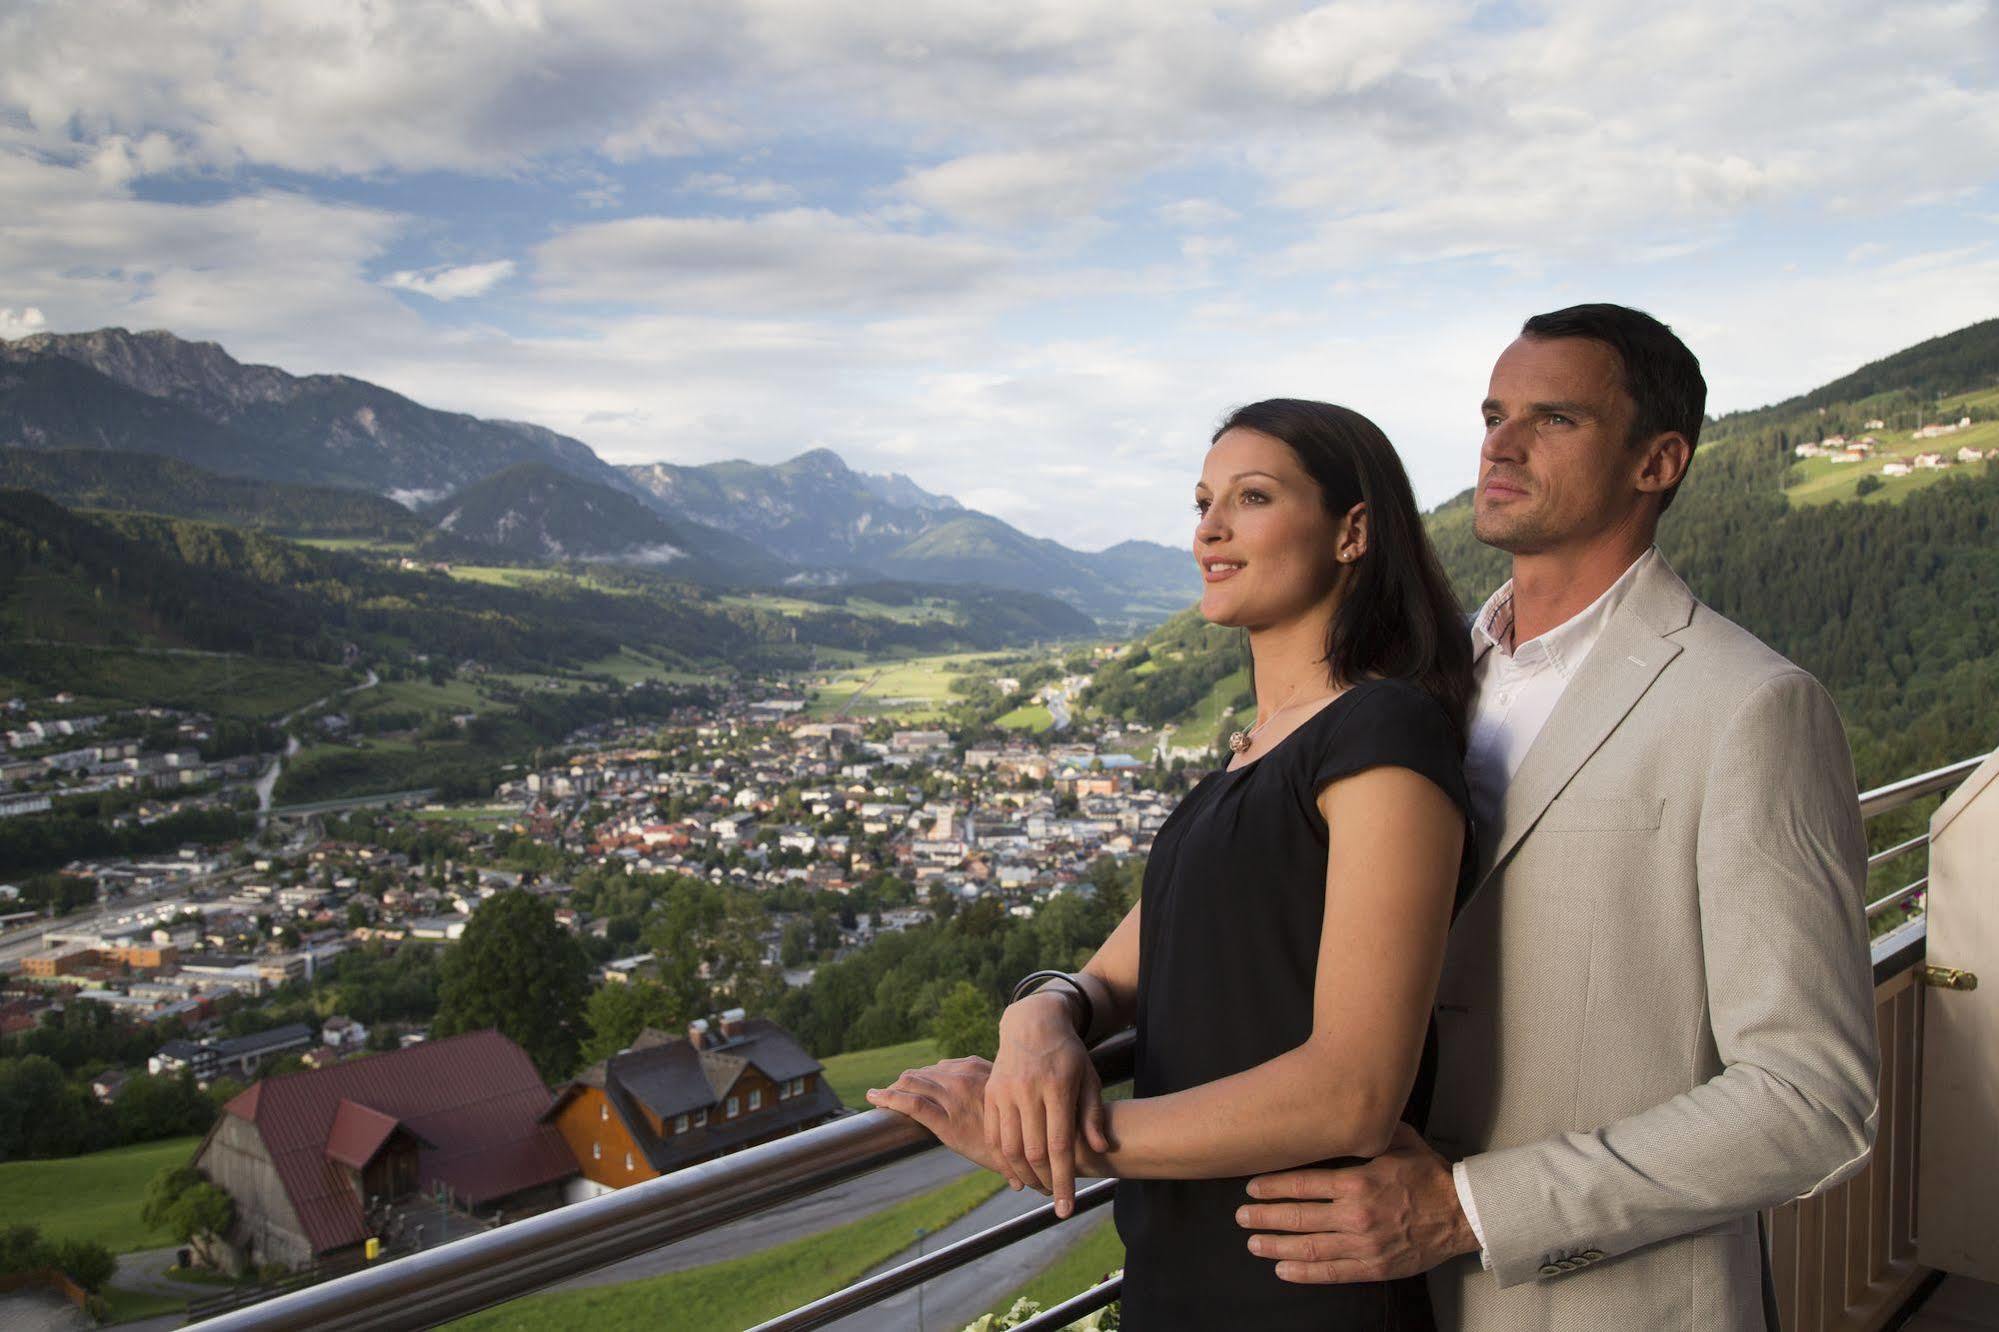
x,y
1238,741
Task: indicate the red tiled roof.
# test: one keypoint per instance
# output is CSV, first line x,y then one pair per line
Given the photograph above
x,y
357,1134
473,1100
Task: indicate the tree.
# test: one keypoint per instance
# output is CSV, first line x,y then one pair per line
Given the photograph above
x,y
1867,485
150,1108
618,1013
86,1262
181,1201
966,1023
40,1114
709,944
796,947
518,970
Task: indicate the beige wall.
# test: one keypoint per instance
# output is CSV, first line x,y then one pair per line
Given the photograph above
x,y
235,1159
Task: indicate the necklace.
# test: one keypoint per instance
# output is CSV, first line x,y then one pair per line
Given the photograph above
x,y
1239,741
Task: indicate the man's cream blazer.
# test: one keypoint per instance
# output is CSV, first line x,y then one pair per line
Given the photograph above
x,y
1657,1012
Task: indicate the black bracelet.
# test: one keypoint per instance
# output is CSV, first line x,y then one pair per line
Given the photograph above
x,y
1034,980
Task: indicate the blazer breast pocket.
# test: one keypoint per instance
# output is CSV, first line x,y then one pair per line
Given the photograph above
x,y
1603,814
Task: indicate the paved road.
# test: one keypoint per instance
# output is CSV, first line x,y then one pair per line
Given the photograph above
x,y
951,1301
269,781
808,1216
145,1270
39,1309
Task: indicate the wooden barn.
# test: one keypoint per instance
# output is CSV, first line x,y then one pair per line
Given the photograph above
x,y
320,1161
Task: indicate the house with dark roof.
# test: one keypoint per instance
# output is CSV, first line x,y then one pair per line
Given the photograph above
x,y
320,1161
238,1056
669,1101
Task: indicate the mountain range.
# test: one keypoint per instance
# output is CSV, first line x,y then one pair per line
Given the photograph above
x,y
525,490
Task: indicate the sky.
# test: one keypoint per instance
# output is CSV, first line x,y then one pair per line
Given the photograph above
x,y
1027,254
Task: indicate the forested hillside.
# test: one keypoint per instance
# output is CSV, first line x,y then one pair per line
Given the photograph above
x,y
151,483
145,581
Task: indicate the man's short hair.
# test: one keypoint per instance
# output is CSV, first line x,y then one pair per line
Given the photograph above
x,y
1661,375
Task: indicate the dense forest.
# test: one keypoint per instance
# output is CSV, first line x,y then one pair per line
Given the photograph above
x,y
152,483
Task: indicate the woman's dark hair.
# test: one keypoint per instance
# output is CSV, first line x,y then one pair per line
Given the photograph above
x,y
1399,619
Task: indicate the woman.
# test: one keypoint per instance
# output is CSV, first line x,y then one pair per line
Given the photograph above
x,y
1282,963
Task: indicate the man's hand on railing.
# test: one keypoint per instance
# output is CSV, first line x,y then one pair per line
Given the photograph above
x,y
1043,1091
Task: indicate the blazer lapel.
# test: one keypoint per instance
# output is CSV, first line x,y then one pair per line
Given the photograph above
x,y
1628,657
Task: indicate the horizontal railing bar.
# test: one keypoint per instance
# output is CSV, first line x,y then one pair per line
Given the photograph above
x,y
1897,897
452,1280
1897,794
875,1289
1069,1310
1880,858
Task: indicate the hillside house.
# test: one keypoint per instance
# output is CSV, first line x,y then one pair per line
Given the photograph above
x,y
669,1101
236,1057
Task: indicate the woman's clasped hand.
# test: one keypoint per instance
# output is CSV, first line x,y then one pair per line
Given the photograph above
x,y
1029,1115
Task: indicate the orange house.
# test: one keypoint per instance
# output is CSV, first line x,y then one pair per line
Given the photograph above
x,y
669,1101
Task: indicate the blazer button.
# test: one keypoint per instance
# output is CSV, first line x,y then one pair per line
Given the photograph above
x,y
1593,1255
1549,1269
1568,1264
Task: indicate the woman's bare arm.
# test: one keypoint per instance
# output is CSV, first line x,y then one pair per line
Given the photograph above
x,y
1392,866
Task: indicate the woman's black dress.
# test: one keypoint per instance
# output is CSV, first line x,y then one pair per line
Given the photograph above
x,y
1228,955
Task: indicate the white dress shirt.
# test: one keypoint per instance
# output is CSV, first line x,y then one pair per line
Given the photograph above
x,y
1518,686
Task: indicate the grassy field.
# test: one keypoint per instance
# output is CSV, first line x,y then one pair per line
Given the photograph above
x,y
454,695
1200,725
925,680
373,545
1082,1266
853,1073
723,1297
502,575
628,666
91,1197
227,686
129,1306
1822,482
919,611
476,818
1030,717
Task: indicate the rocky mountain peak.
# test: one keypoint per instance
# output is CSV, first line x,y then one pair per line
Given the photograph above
x,y
161,365
823,462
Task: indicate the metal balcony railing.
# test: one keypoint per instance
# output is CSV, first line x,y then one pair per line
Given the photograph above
x,y
1843,1261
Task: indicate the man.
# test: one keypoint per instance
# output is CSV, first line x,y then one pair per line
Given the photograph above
x,y
1656,1016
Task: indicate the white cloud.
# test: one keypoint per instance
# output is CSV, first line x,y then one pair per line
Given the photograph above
x,y
425,84
1347,46
754,190
20,323
1197,214
796,260
1009,189
270,262
453,283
